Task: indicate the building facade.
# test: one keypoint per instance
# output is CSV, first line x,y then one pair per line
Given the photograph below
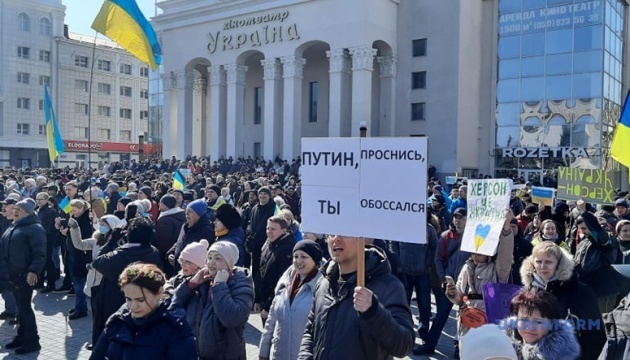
x,y
99,92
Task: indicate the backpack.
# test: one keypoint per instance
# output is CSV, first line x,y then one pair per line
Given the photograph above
x,y
617,325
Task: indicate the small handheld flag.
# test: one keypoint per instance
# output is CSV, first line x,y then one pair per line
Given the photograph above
x,y
178,181
64,205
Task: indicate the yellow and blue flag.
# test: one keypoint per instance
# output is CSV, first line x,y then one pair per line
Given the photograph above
x,y
123,22
178,181
53,136
64,205
620,148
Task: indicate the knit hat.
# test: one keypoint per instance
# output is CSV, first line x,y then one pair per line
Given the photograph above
x,y
311,248
531,209
486,342
438,188
199,206
265,189
147,204
229,216
125,201
27,205
12,199
620,224
216,189
621,202
196,253
169,201
146,190
112,187
140,205
228,250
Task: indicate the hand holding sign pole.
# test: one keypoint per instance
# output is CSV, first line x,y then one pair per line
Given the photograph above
x,y
361,240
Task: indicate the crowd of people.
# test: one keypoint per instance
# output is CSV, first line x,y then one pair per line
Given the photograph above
x,y
174,272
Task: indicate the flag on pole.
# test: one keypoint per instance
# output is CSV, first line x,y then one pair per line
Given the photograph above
x,y
123,22
53,136
178,181
620,148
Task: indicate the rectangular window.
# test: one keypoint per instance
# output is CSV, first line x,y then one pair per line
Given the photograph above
x,y
81,85
44,55
144,94
81,108
42,129
23,129
419,47
125,69
104,88
419,80
417,111
104,65
257,149
24,52
144,114
44,80
125,135
105,111
81,61
125,113
258,104
125,91
80,132
312,101
41,104
23,78
104,134
144,71
24,103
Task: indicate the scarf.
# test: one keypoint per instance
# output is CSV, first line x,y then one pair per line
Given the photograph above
x,y
219,233
539,282
297,283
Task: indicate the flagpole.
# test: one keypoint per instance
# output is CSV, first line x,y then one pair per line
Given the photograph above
x,y
90,104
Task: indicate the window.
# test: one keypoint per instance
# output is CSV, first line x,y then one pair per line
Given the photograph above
x,y
81,108
24,22
104,88
41,104
144,71
125,135
44,80
81,85
24,103
258,104
104,65
417,111
105,111
125,91
125,113
125,69
144,114
24,52
81,61
44,55
23,78
23,129
45,26
419,80
257,149
312,101
419,47
104,134
42,130
80,132
144,94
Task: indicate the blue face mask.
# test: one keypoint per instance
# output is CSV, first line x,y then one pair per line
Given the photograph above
x,y
103,229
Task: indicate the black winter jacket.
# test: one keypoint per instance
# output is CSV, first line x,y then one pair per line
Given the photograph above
x,y
22,250
47,217
275,259
256,230
202,229
336,331
417,259
167,229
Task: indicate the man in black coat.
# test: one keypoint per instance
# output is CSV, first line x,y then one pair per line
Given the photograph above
x,y
47,217
22,258
167,228
256,233
113,197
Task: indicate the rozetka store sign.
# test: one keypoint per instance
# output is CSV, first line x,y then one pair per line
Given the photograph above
x,y
239,32
544,152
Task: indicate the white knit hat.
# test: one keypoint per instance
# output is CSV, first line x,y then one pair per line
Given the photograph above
x,y
228,250
196,253
487,342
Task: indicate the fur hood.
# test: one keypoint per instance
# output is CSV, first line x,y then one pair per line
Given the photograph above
x,y
564,271
559,343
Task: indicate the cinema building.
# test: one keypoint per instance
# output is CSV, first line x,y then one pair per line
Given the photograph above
x,y
498,86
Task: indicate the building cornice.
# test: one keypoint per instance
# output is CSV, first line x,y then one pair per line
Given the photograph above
x,y
29,5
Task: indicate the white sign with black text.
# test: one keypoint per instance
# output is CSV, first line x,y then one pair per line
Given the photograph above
x,y
365,187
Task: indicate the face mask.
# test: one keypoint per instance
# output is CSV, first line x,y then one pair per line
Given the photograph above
x,y
103,229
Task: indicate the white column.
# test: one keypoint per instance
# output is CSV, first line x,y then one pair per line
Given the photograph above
x,y
169,114
339,93
207,121
362,66
199,128
292,68
235,103
388,94
184,114
272,107
217,112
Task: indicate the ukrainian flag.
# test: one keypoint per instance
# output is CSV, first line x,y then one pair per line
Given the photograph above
x,y
53,136
620,148
123,22
64,205
178,181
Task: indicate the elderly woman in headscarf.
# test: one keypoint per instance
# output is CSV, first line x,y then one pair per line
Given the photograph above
x,y
97,204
